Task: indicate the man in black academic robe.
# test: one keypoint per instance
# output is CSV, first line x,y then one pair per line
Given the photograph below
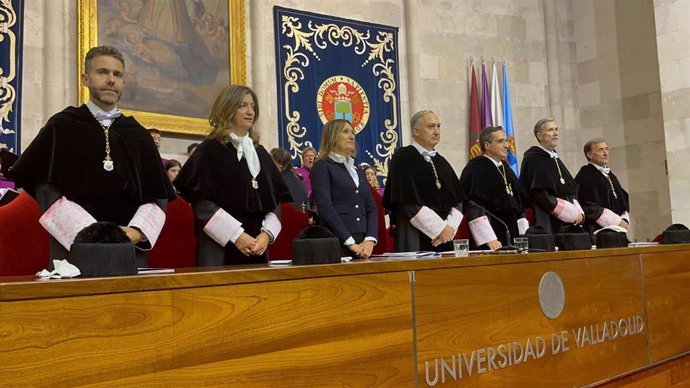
x,y
495,197
552,190
601,195
422,191
91,163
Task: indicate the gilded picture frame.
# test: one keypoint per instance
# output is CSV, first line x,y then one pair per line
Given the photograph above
x,y
175,56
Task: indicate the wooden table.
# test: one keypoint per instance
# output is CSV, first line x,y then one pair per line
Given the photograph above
x,y
473,321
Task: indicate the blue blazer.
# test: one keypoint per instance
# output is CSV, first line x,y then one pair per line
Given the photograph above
x,y
342,207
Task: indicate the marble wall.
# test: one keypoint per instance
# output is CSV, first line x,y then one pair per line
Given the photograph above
x,y
590,64
673,45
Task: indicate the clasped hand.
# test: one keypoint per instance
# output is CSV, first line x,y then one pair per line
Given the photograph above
x,y
362,250
250,246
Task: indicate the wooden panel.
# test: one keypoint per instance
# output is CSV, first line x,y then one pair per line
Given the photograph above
x,y
674,373
65,342
316,332
667,285
480,309
352,329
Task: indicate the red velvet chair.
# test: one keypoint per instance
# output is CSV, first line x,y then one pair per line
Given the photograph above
x,y
176,245
23,241
293,221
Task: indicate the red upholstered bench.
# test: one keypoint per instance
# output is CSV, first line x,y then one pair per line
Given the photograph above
x,y
23,241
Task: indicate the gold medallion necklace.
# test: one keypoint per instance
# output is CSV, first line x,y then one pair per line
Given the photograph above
x,y
108,164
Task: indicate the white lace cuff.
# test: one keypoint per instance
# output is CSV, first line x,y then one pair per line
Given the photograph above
x,y
149,219
566,211
481,230
64,219
222,227
428,222
608,218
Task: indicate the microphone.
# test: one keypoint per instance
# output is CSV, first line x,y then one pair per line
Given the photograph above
x,y
508,245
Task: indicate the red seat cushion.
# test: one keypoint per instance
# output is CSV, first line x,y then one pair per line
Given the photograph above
x,y
23,241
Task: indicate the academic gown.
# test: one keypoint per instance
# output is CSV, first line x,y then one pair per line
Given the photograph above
x,y
482,183
595,194
297,190
213,178
410,185
539,176
66,159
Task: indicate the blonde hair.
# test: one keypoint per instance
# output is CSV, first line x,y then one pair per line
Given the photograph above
x,y
329,137
227,103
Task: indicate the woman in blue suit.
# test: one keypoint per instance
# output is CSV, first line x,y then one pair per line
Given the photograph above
x,y
341,193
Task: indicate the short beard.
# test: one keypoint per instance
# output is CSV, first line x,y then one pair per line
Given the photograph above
x,y
106,100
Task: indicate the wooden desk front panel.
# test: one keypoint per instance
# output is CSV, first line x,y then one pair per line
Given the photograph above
x,y
667,284
464,310
316,332
79,340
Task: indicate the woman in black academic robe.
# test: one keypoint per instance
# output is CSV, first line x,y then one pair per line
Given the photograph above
x,y
233,185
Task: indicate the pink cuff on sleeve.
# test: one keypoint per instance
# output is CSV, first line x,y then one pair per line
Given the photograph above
x,y
64,219
481,229
523,225
149,219
428,222
608,218
566,211
454,219
577,205
272,225
221,227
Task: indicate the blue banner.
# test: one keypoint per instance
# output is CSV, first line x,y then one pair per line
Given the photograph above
x,y
328,68
11,13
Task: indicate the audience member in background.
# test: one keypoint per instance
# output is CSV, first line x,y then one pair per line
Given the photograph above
x,y
191,148
552,190
370,173
93,163
601,195
344,203
232,184
489,184
423,192
5,155
283,161
304,172
156,136
173,167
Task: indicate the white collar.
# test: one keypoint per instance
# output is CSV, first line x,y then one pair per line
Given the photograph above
x,y
102,115
349,163
497,164
423,151
552,154
604,170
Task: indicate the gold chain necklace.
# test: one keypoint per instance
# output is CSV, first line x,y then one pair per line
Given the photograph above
x,y
509,188
108,164
613,190
559,170
433,168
